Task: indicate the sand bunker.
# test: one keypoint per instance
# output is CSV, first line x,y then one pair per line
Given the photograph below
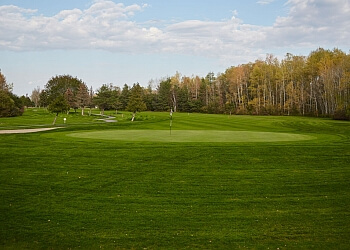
x,y
24,131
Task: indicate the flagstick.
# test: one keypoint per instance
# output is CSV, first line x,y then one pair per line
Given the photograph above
x,y
171,119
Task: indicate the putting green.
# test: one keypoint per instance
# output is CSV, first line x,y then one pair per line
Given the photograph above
x,y
191,136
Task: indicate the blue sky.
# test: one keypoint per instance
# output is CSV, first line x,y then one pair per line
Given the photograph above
x,y
104,41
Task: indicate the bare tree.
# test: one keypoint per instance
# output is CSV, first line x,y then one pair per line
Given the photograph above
x,y
35,96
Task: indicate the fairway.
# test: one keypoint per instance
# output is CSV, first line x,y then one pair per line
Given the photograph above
x,y
191,136
215,182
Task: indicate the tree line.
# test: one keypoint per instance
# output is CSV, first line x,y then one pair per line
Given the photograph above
x,y
317,85
314,85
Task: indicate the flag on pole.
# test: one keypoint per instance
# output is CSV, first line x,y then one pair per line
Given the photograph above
x,y
171,119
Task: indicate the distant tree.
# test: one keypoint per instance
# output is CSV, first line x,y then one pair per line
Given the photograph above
x,y
35,96
59,105
71,99
10,104
7,105
3,84
164,97
91,97
116,103
136,103
106,97
124,97
183,102
25,101
148,97
43,99
175,87
83,97
57,86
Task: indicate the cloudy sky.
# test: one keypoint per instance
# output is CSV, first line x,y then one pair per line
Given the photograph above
x,y
128,41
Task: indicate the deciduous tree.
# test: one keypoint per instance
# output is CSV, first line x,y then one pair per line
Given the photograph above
x,y
59,105
10,104
57,86
35,96
82,97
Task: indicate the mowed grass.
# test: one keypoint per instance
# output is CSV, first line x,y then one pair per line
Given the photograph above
x,y
86,186
190,136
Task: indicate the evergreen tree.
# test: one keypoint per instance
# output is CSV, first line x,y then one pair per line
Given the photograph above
x,y
104,98
164,96
124,97
136,103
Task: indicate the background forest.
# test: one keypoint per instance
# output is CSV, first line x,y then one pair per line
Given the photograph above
x,y
316,85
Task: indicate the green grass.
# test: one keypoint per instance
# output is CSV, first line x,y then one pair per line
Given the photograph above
x,y
88,185
190,136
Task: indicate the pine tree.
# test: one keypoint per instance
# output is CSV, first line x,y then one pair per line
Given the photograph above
x,y
136,103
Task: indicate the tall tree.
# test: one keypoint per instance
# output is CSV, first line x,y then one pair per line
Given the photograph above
x,y
136,103
82,97
149,97
3,83
164,100
91,97
59,105
105,98
71,99
57,86
10,104
43,99
124,97
175,86
25,101
35,96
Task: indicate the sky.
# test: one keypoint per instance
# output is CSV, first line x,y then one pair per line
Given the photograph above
x,y
128,41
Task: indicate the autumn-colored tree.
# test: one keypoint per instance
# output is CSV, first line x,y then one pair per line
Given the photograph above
x,y
71,99
317,84
82,97
57,86
3,84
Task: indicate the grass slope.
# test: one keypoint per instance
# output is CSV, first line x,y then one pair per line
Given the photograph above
x,y
59,191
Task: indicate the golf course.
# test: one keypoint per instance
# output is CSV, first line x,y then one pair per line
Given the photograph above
x,y
195,181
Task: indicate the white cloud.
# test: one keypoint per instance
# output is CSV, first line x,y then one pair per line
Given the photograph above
x,y
265,2
314,23
234,14
12,9
105,25
214,39
110,26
